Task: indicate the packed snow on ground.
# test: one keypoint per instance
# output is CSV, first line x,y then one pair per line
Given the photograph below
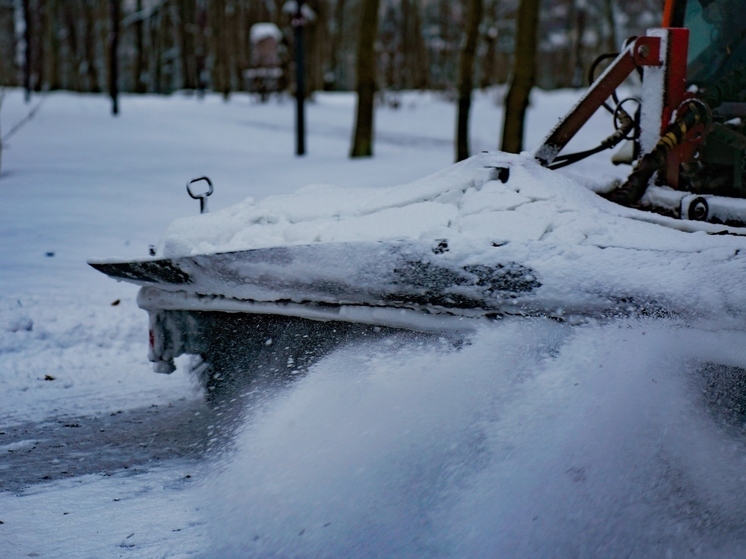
x,y
533,438
79,184
95,516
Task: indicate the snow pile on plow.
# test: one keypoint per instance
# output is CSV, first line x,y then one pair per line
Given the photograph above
x,y
494,235
490,197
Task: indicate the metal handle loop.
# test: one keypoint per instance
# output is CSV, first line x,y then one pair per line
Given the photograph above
x,y
203,196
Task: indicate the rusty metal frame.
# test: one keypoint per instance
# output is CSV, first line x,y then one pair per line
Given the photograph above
x,y
675,95
643,51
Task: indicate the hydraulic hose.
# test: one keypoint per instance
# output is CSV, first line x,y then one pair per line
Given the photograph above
x,y
690,114
626,125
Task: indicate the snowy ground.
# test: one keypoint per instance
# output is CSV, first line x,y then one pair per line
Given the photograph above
x,y
536,439
78,184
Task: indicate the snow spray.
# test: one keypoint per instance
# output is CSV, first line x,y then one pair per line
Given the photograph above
x,y
532,439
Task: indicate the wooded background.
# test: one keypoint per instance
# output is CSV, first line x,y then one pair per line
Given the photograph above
x,y
167,45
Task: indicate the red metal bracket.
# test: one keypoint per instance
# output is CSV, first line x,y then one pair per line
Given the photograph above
x,y
643,51
646,51
675,94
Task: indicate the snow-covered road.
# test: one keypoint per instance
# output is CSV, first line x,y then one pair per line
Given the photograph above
x,y
531,438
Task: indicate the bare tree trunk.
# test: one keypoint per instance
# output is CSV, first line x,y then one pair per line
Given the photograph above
x,y
524,76
419,60
71,13
157,33
139,67
54,54
187,27
489,61
564,79
577,56
227,39
474,11
339,13
114,55
413,69
27,55
318,39
8,71
405,72
448,63
487,77
362,145
49,40
38,44
611,22
89,48
2,98
240,44
220,36
200,48
216,22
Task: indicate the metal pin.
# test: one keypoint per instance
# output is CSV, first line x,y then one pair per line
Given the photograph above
x,y
203,196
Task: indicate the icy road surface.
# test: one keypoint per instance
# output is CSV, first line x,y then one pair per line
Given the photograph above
x,y
535,439
531,438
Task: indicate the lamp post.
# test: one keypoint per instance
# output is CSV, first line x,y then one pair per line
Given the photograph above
x,y
298,21
114,56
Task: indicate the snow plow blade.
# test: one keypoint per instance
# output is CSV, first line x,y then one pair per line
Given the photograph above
x,y
398,283
423,277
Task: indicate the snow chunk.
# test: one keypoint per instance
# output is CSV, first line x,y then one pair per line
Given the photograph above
x,y
527,223
20,323
420,220
260,31
18,445
493,196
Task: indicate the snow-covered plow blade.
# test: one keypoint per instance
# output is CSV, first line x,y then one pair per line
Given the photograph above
x,y
490,237
404,283
423,286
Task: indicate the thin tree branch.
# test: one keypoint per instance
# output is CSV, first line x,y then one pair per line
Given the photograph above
x,y
23,121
